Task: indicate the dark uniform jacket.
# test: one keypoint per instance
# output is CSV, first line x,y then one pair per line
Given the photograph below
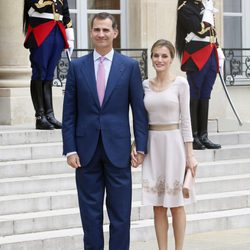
x,y
44,15
202,37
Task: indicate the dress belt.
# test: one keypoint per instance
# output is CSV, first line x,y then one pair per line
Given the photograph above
x,y
162,127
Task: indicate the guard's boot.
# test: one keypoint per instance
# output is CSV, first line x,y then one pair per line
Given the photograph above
x,y
36,91
203,121
48,104
197,145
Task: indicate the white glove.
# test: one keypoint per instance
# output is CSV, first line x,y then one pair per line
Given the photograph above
x,y
71,47
209,5
70,38
221,58
208,15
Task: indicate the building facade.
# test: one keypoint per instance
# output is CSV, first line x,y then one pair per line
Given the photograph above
x,y
141,23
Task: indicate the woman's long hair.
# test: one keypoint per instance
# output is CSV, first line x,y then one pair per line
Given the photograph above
x,y
180,34
25,16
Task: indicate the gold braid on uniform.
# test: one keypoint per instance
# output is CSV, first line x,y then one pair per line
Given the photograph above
x,y
61,1
42,4
69,24
212,36
203,29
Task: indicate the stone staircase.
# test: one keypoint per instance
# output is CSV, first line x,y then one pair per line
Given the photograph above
x,y
39,207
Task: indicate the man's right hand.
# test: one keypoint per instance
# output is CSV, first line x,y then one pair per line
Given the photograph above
x,y
137,158
74,161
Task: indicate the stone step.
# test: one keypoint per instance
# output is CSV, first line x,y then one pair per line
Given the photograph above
x,y
231,138
49,166
209,185
219,201
143,230
26,168
30,151
29,135
37,202
59,182
69,218
35,193
25,134
54,150
227,152
43,183
224,167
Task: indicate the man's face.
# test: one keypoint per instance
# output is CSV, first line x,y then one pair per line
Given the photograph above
x,y
103,34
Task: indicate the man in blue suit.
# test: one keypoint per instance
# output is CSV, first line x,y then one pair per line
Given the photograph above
x,y
96,134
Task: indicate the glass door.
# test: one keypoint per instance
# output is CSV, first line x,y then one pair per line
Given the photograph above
x,y
82,12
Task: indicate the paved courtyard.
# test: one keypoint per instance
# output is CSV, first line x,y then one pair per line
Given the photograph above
x,y
238,239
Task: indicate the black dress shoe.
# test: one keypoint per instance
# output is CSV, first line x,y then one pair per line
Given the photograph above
x,y
197,145
42,123
54,122
207,143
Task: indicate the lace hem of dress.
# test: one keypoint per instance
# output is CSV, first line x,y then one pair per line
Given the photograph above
x,y
161,187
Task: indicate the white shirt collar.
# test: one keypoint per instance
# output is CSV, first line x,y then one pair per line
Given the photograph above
x,y
108,56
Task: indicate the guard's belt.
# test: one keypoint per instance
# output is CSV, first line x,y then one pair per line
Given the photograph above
x,y
33,13
192,37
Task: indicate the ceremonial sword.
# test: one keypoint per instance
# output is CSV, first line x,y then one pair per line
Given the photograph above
x,y
229,99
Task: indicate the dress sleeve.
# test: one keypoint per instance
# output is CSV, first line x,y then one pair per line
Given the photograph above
x,y
145,84
184,98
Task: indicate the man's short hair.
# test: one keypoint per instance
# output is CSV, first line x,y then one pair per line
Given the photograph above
x,y
102,16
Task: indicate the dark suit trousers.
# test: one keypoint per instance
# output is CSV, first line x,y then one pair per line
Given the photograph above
x,y
92,181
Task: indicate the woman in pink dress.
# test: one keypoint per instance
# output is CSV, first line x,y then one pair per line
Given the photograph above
x,y
170,150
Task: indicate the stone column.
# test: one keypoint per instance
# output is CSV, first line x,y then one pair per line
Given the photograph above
x,y
15,101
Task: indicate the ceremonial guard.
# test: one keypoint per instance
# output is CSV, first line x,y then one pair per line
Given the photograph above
x,y
48,30
201,58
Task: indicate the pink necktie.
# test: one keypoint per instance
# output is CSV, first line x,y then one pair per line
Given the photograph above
x,y
101,80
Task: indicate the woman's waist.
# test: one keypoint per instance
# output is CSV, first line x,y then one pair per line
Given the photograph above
x,y
163,127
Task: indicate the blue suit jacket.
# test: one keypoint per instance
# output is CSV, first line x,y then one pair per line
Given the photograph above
x,y
84,119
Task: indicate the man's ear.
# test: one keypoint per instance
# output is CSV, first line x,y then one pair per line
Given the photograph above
x,y
116,33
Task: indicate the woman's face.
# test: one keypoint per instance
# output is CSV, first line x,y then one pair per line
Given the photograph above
x,y
161,58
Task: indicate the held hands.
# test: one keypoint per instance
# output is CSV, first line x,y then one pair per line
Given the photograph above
x,y
70,38
136,157
74,161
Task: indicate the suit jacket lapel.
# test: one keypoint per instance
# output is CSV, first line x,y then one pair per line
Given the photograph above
x,y
115,73
89,73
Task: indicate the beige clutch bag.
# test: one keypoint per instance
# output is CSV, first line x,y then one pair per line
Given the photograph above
x,y
187,184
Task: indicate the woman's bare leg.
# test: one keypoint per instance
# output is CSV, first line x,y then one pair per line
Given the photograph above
x,y
179,226
161,227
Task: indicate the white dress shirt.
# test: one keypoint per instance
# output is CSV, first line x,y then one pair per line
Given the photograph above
x,y
107,63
